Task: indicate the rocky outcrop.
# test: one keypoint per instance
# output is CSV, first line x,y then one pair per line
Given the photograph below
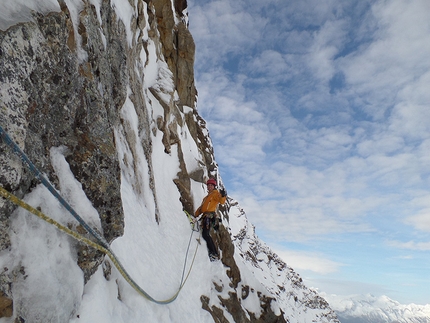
x,y
278,291
63,85
52,99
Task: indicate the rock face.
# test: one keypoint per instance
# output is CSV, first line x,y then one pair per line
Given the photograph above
x,y
64,77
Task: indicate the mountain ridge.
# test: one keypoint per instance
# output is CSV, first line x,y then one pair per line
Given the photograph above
x,y
381,309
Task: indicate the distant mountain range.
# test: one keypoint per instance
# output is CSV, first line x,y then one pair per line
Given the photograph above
x,y
371,309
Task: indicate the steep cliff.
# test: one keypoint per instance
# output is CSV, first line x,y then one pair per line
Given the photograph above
x,y
100,95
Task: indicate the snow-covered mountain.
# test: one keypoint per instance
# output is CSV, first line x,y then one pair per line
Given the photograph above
x,y
371,309
99,94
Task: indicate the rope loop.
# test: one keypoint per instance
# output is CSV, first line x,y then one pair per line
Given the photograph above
x,y
100,244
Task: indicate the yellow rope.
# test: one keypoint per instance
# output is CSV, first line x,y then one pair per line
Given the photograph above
x,y
97,246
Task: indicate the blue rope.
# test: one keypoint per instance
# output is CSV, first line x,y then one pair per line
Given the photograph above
x,y
8,140
106,251
104,245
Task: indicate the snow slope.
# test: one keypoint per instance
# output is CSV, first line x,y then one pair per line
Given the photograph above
x,y
368,308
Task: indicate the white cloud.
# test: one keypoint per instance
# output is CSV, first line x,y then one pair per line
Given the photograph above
x,y
420,221
320,116
410,245
226,27
411,121
309,261
326,45
269,67
341,288
299,219
383,144
396,57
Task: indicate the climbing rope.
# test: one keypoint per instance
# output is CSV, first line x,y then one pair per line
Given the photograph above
x,y
194,227
101,244
15,148
17,201
193,222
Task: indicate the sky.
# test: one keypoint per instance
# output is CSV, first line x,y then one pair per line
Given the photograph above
x,y
319,112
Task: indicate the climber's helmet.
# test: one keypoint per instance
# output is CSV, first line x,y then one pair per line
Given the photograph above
x,y
211,181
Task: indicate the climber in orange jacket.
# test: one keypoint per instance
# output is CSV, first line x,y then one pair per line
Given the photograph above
x,y
208,209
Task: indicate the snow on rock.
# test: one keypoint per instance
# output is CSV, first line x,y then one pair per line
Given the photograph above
x,y
368,308
14,12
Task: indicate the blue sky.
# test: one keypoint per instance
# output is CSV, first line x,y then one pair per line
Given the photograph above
x,y
319,112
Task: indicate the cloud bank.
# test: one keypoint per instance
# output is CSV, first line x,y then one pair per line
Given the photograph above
x,y
320,117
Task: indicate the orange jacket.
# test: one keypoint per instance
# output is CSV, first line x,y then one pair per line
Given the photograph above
x,y
210,202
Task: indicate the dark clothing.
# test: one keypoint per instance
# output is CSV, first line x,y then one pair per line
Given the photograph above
x,y
206,227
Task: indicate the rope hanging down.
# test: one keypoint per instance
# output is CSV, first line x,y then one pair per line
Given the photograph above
x,y
101,244
193,222
101,248
15,148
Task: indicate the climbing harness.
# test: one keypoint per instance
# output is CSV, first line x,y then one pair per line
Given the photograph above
x,y
100,244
